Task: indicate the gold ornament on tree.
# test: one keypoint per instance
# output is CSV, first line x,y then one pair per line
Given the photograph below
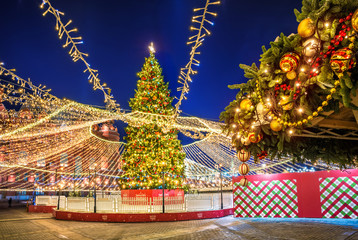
x,y
245,104
244,182
245,141
342,60
355,21
243,155
244,169
285,103
306,28
289,62
291,75
275,125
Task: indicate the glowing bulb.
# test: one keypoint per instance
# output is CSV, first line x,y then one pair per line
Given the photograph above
x,y
290,131
237,109
300,110
151,48
326,24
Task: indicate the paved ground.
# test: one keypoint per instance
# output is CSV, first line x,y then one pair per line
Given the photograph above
x,y
16,223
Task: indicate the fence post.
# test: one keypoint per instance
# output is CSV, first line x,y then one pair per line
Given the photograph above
x,y
212,201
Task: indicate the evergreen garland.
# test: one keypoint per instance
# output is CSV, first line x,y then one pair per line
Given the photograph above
x,y
291,100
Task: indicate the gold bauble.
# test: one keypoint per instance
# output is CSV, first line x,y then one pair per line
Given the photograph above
x,y
289,62
244,182
285,103
275,126
243,155
245,141
306,28
355,21
291,75
245,104
244,169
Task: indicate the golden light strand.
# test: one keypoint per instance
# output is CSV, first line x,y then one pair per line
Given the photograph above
x,y
195,40
76,54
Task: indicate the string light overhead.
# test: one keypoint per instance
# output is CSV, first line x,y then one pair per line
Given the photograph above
x,y
196,40
72,43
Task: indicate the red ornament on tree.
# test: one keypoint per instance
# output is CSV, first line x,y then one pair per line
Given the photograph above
x,y
289,62
255,138
342,60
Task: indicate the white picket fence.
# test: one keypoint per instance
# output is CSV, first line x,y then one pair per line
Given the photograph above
x,y
108,204
50,201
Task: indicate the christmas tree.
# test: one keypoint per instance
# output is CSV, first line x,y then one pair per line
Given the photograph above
x,y
152,152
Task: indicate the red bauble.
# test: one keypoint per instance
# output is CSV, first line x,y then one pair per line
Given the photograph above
x,y
289,62
255,138
342,60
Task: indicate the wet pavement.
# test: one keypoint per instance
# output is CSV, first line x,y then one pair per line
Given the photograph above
x,y
16,223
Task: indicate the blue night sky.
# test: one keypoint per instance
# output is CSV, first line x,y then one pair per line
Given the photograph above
x,y
116,34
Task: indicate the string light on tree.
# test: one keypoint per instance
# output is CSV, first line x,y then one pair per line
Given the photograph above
x,y
150,151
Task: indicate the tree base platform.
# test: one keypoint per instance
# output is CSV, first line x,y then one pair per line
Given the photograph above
x,y
139,217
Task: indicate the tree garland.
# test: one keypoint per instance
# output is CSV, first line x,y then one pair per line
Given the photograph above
x,y
300,77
